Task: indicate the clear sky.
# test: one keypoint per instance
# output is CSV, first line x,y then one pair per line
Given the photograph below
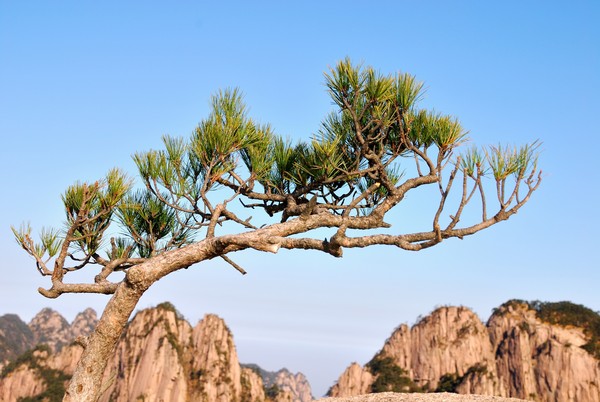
x,y
83,85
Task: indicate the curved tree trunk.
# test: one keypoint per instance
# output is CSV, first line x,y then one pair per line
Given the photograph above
x,y
86,383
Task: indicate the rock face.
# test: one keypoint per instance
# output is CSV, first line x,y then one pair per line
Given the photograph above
x,y
149,360
160,357
517,354
39,373
450,340
354,381
542,361
22,383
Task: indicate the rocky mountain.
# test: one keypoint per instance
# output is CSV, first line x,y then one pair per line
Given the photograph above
x,y
51,328
15,337
283,381
84,323
535,351
47,327
160,357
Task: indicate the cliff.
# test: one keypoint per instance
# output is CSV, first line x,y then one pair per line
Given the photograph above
x,y
536,351
547,351
160,357
149,359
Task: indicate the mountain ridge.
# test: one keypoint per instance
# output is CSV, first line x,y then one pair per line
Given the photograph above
x,y
160,357
47,326
528,350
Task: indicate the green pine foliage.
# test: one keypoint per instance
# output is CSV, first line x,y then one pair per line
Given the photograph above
x,y
389,377
449,382
356,160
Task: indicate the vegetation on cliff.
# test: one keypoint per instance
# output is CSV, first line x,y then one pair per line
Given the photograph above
x,y
565,313
54,380
449,382
570,314
389,377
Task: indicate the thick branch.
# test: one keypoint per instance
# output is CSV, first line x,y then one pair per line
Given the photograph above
x,y
58,288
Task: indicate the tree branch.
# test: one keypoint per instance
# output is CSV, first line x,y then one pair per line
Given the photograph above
x,y
58,288
233,264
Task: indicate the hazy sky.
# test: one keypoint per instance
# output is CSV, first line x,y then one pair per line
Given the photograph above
x,y
83,85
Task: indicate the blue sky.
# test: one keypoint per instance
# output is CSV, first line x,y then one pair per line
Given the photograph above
x,y
84,85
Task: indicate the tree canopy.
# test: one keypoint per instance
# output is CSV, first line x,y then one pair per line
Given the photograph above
x,y
199,193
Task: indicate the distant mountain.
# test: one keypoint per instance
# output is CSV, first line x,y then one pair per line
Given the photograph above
x,y
296,385
160,357
535,351
47,327
15,337
50,328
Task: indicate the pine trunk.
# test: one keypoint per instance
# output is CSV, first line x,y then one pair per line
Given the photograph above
x,y
86,383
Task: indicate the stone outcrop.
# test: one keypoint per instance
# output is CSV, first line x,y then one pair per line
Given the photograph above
x,y
419,397
517,354
160,357
355,380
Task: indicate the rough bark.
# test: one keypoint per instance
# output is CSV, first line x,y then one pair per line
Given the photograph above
x,y
86,382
